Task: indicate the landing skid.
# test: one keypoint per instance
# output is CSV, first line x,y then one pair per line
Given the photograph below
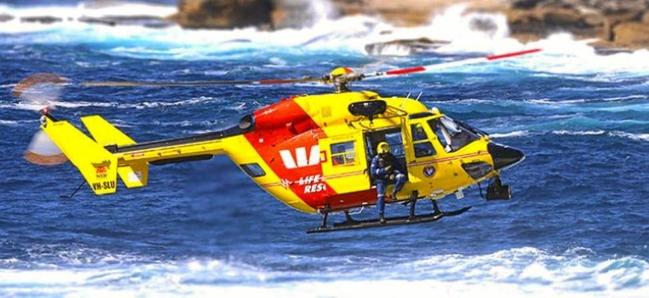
x,y
392,221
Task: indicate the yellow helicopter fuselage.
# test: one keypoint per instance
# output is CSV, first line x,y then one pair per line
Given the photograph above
x,y
311,152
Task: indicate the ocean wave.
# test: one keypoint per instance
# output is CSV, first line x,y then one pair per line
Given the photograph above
x,y
120,105
513,134
633,136
579,132
520,271
562,54
15,122
531,132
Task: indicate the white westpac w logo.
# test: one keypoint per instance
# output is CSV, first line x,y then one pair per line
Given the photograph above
x,y
301,159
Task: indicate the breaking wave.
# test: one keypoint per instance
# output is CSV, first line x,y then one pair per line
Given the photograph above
x,y
120,105
563,54
513,272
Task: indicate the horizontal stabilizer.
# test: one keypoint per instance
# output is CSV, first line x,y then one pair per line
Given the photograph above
x,y
105,133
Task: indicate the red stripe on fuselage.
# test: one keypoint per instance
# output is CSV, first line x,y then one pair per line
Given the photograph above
x,y
285,126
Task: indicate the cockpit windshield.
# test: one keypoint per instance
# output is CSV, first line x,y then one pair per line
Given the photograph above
x,y
453,135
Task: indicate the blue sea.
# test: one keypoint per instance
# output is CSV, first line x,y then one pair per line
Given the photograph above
x,y
577,226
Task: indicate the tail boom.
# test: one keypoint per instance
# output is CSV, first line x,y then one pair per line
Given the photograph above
x,y
113,153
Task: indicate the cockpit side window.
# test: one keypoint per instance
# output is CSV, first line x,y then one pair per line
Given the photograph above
x,y
451,134
420,140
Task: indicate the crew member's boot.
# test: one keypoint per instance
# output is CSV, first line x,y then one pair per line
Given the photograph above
x,y
381,218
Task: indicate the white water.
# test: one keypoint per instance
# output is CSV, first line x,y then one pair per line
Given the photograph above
x,y
562,53
517,272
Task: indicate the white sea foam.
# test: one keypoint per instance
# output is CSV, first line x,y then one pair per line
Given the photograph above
x,y
632,136
119,105
518,272
69,15
513,134
562,53
579,132
4,122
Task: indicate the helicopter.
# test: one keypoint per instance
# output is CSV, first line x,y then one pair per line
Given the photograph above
x,y
311,152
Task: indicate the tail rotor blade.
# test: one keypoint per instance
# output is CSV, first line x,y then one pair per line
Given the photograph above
x,y
42,151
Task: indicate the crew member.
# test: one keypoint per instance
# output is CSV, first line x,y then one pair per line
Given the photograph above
x,y
383,170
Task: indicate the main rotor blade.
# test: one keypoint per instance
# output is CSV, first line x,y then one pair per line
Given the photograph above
x,y
438,66
40,90
198,83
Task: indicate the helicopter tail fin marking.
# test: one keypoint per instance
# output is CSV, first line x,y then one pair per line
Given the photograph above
x,y
97,165
105,133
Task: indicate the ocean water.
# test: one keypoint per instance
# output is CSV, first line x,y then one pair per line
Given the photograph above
x,y
578,225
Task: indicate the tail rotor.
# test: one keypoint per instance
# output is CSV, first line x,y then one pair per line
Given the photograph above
x,y
40,92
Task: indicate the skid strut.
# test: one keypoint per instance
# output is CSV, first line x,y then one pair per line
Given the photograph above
x,y
411,218
413,202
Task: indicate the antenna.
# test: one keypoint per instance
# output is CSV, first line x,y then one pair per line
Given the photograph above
x,y
419,96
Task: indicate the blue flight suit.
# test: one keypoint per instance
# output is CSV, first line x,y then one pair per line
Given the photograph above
x,y
381,174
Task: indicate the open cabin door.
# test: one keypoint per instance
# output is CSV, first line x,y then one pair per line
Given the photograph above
x,y
344,164
395,138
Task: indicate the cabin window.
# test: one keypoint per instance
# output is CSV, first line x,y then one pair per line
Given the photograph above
x,y
343,153
451,134
420,141
396,143
253,170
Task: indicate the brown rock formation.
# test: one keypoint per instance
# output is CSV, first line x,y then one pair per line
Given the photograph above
x,y
631,35
292,13
5,18
615,22
146,21
41,19
412,12
224,13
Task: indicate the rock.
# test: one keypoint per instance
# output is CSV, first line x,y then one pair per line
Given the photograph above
x,y
5,18
645,18
485,25
525,4
41,19
617,6
297,13
632,35
146,21
403,47
544,21
411,12
617,23
222,14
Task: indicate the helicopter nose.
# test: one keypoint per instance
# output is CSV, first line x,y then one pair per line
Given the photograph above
x,y
504,156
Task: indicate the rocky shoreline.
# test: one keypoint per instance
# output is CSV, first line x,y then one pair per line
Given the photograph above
x,y
614,23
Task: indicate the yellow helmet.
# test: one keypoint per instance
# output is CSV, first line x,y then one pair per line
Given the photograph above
x,y
383,148
339,71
